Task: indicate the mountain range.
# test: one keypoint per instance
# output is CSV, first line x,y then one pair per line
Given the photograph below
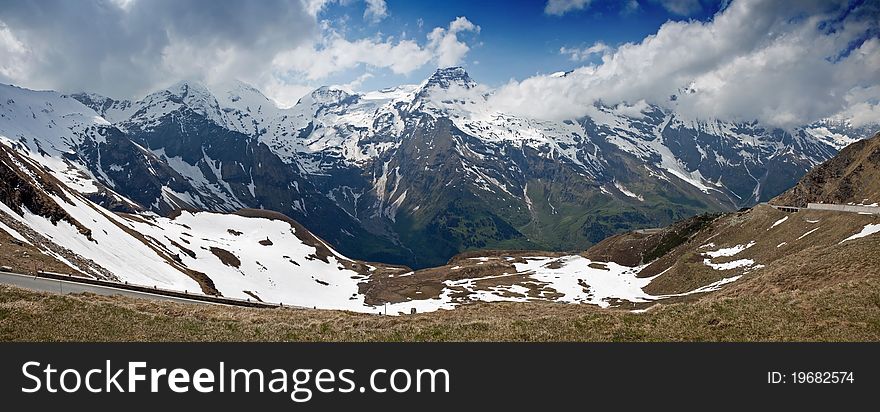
x,y
415,174
218,190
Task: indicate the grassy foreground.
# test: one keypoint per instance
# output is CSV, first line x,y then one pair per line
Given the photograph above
x,y
842,312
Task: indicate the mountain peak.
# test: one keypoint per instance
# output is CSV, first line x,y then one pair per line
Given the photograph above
x,y
185,88
447,85
451,70
241,96
448,76
189,92
327,95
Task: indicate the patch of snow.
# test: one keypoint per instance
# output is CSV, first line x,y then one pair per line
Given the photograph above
x,y
285,271
111,246
806,234
627,192
731,251
12,232
779,222
617,282
100,121
729,265
868,230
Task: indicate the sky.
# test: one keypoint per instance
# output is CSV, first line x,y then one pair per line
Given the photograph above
x,y
782,62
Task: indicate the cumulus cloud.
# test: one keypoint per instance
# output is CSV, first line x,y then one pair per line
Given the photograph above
x,y
560,7
336,54
781,62
636,110
376,10
285,93
15,55
127,48
863,106
355,85
447,47
581,54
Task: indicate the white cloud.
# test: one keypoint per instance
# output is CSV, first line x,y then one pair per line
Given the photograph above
x,y
15,55
376,10
355,85
313,7
285,93
635,110
681,7
774,61
447,48
861,114
581,54
127,48
337,54
863,106
560,7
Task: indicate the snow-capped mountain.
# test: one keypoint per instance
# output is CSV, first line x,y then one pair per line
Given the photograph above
x,y
250,254
412,174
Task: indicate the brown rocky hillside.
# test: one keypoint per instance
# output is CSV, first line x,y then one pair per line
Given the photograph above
x,y
853,176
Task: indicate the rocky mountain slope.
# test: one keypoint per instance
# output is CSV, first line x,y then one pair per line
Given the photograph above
x,y
252,254
851,177
264,255
409,175
418,173
755,251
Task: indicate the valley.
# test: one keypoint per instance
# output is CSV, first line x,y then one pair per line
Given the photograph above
x,y
415,174
224,194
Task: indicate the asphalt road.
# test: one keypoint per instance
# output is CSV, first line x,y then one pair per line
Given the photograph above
x,y
63,287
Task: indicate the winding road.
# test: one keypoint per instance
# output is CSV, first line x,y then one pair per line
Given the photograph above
x,y
65,287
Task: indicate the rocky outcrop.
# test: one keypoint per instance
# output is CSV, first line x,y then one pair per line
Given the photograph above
x,y
20,190
853,176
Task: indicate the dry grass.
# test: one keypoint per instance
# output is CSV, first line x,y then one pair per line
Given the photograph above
x,y
807,262
812,289
848,311
25,258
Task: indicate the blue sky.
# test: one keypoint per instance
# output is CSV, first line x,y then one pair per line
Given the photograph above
x,y
517,38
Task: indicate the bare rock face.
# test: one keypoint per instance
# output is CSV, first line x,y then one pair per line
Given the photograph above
x,y
19,190
853,176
